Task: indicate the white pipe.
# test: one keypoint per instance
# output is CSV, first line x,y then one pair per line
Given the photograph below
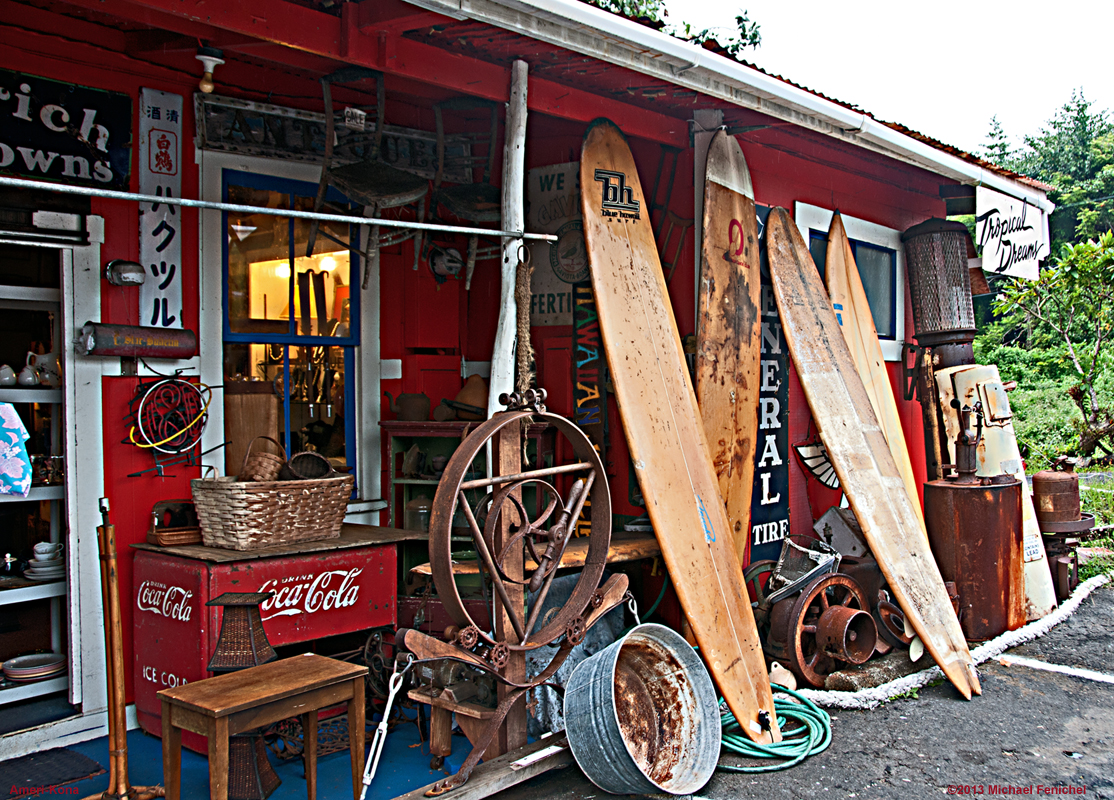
x,y
687,63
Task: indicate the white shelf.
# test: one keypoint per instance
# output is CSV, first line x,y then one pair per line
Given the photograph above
x,y
30,297
36,493
25,691
28,593
30,394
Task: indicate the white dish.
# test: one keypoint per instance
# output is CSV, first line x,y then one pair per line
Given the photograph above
x,y
45,578
45,562
34,662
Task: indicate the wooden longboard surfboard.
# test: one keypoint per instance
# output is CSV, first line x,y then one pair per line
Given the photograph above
x,y
845,290
859,453
728,327
661,420
997,454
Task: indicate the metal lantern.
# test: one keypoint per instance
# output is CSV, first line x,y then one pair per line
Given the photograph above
x,y
939,282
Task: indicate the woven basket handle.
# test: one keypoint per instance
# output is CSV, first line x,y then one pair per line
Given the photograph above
x,y
206,471
251,444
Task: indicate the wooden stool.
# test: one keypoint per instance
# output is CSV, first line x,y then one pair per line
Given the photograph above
x,y
251,698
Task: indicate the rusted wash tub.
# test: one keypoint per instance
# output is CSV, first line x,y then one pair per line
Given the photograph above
x,y
642,717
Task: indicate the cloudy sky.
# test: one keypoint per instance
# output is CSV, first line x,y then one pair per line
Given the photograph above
x,y
944,69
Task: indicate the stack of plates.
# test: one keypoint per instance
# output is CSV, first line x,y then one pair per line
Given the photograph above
x,y
52,568
38,667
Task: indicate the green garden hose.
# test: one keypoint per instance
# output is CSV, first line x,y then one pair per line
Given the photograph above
x,y
811,735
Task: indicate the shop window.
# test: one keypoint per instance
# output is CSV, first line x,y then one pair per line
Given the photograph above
x,y
291,324
878,255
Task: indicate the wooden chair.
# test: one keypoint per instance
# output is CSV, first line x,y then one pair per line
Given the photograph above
x,y
477,201
369,182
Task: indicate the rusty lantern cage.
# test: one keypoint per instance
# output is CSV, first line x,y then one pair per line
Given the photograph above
x,y
939,282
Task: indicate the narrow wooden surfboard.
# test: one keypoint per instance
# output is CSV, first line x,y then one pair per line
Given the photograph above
x,y
859,453
845,290
661,420
728,328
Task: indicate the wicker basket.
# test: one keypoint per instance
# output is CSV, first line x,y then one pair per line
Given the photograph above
x,y
262,466
248,515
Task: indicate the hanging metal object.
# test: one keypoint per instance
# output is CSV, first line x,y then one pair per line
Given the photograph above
x,y
939,282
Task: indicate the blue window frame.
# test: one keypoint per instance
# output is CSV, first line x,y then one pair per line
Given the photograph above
x,y
878,270
293,319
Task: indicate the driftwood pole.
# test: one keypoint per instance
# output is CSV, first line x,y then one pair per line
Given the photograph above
x,y
514,219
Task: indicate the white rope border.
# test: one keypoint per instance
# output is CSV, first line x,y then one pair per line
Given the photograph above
x,y
877,695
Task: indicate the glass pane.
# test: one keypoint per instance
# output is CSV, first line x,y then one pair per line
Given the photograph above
x,y
322,290
268,384
258,264
876,268
818,248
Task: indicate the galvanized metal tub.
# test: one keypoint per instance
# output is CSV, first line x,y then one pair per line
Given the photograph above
x,y
642,717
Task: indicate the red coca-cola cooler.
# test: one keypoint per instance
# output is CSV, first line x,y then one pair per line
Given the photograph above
x,y
328,588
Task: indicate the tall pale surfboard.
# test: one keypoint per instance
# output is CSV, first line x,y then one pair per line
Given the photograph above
x,y
845,290
661,420
728,330
859,453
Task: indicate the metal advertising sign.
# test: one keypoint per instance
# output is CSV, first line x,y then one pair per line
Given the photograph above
x,y
589,365
553,198
64,132
1012,234
769,505
160,173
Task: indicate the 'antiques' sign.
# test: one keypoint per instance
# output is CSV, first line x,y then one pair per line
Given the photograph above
x,y
64,132
1012,234
160,174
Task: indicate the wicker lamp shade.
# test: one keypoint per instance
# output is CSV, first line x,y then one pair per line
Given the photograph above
x,y
242,642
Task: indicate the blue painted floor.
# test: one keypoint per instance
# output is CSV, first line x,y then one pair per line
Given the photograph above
x,y
404,766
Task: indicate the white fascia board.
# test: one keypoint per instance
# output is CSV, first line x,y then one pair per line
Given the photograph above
x,y
588,30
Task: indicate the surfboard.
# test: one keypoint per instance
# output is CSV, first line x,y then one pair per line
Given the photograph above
x,y
728,327
852,311
657,407
858,451
997,454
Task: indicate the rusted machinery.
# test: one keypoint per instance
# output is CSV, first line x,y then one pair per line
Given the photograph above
x,y
514,514
815,619
1061,520
974,527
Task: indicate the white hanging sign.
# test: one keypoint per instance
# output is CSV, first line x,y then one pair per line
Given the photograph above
x,y
160,241
1012,234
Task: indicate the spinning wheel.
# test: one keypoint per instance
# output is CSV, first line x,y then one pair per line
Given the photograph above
x,y
505,531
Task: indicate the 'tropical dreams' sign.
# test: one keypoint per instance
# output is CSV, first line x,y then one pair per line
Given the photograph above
x,y
64,132
1012,235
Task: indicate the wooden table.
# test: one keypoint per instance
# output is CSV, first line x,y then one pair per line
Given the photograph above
x,y
251,698
624,546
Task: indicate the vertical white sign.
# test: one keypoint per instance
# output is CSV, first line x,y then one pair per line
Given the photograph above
x,y
160,224
553,200
1013,234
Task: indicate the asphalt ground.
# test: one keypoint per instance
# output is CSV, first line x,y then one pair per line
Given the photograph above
x,y
1042,733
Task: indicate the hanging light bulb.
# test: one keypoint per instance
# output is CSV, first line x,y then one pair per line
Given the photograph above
x,y
211,58
328,263
282,271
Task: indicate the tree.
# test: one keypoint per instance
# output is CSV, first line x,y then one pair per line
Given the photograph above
x,y
1074,300
745,34
997,148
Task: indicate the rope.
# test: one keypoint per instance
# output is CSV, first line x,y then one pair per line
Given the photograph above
x,y
525,349
811,736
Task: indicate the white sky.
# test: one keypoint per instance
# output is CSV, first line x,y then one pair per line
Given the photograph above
x,y
943,69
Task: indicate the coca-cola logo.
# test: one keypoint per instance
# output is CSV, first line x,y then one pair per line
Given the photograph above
x,y
310,594
172,602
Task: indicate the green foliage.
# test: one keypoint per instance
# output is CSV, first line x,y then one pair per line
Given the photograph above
x,y
997,148
734,40
1054,339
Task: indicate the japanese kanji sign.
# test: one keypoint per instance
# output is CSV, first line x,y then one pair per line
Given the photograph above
x,y
160,243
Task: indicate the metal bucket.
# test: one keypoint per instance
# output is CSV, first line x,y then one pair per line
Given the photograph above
x,y
641,715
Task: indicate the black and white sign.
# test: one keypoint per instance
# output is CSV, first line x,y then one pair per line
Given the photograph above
x,y
64,132
1012,234
160,224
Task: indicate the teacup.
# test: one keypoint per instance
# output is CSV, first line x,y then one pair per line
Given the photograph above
x,y
28,376
7,376
47,550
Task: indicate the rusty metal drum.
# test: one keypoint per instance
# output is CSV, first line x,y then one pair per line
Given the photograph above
x,y
975,532
1056,496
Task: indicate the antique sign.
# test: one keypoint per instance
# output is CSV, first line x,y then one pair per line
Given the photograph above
x,y
1012,234
65,132
553,200
769,509
160,243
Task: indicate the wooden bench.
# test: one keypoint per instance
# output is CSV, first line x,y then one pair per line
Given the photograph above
x,y
251,698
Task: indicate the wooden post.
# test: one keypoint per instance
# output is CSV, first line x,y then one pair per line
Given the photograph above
x,y
514,219
513,733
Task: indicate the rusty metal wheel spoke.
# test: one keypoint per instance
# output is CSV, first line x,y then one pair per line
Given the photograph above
x,y
807,657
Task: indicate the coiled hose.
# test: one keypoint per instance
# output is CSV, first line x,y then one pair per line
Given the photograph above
x,y
811,735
